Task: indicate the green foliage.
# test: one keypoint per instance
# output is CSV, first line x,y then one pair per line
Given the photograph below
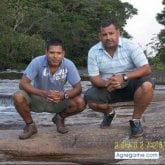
x,y
17,48
161,19
25,26
156,63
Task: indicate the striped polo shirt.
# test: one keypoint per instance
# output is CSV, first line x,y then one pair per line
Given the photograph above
x,y
127,57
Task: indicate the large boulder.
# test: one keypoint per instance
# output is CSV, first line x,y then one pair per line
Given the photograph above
x,y
85,143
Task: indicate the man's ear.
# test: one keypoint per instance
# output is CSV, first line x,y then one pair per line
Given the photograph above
x,y
63,52
118,32
99,36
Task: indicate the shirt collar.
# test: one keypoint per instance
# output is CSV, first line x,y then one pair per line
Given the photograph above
x,y
45,62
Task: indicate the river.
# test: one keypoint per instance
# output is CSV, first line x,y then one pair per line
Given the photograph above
x,y
8,87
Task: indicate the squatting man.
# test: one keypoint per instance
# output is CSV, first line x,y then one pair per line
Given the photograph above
x,y
119,71
42,89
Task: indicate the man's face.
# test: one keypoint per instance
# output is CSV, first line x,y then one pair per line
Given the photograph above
x,y
109,36
55,55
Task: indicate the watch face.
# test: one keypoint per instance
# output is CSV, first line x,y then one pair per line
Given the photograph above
x,y
125,78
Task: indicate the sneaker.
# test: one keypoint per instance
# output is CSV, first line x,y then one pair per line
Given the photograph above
x,y
107,120
136,128
28,131
59,121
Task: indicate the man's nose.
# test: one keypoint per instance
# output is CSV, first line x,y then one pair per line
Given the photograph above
x,y
108,36
55,55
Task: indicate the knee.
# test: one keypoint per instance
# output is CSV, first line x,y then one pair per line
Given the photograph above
x,y
147,87
18,98
92,105
81,104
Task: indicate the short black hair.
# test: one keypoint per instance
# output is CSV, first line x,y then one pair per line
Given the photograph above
x,y
108,22
55,42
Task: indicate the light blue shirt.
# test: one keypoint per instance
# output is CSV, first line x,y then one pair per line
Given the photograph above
x,y
38,71
126,58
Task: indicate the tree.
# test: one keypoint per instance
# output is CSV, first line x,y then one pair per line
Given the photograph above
x,y
161,19
82,19
25,26
17,44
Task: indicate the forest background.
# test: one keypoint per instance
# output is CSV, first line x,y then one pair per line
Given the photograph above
x,y
26,26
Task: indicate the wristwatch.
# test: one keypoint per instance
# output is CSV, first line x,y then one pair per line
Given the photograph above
x,y
125,78
66,96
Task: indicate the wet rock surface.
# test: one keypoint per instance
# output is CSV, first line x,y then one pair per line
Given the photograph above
x,y
85,143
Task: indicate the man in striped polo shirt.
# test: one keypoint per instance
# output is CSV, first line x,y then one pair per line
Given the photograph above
x,y
119,71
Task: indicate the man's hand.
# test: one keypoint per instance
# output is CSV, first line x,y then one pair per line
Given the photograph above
x,y
55,96
115,82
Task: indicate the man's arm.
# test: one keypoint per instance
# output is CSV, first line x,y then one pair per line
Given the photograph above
x,y
56,96
97,81
75,90
25,84
139,72
116,80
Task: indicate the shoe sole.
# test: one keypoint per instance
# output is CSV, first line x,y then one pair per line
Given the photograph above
x,y
62,131
138,135
105,127
59,130
23,138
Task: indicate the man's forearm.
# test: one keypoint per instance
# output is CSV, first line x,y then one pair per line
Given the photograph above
x,y
139,72
30,89
98,82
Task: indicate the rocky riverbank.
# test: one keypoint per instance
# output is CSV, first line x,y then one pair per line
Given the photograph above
x,y
85,143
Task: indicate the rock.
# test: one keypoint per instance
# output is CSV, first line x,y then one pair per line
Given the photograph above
x,y
85,143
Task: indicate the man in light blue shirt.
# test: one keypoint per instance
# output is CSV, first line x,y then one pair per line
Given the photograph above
x,y
127,56
38,71
42,89
119,71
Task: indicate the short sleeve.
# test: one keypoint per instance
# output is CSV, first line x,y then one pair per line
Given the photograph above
x,y
93,69
138,57
73,76
32,70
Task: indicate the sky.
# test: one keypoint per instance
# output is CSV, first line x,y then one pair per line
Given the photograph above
x,y
144,26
